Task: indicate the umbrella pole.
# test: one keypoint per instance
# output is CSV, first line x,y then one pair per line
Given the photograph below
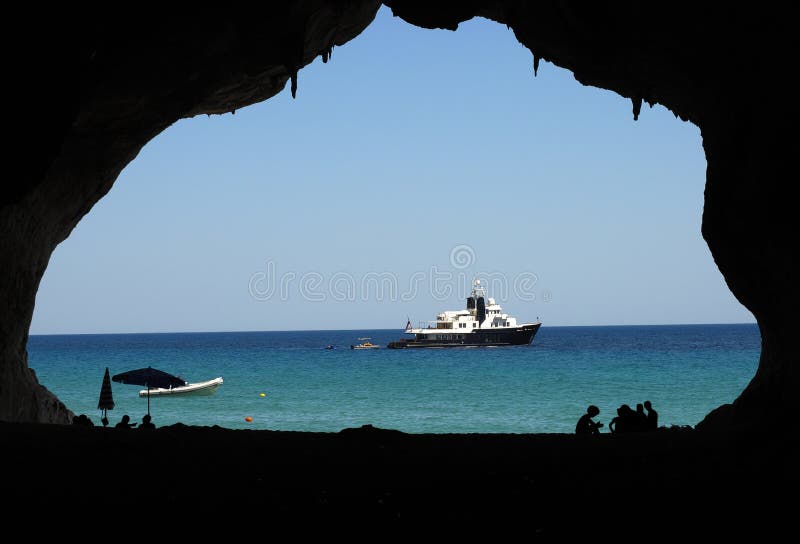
x,y
148,399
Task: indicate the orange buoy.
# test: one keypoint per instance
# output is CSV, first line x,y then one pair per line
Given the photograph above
x,y
248,419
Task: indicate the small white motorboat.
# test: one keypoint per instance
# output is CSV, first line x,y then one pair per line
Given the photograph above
x,y
208,387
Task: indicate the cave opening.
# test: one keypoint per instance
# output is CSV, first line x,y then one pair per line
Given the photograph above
x,y
542,143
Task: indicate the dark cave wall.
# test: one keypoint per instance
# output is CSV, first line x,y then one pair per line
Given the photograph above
x,y
748,224
722,70
102,87
98,91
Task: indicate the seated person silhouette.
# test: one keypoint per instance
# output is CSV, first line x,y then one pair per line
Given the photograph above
x,y
625,420
652,416
82,419
146,423
586,425
125,423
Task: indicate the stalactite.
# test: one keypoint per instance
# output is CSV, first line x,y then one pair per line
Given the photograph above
x,y
297,63
535,64
637,107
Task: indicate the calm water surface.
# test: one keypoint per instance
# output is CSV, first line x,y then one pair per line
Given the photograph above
x,y
684,370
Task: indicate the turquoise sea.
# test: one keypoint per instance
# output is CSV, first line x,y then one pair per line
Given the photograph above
x,y
684,370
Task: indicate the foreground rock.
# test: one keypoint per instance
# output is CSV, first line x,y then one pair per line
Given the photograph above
x,y
664,482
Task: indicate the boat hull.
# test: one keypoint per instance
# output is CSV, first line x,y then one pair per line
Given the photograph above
x,y
517,336
189,390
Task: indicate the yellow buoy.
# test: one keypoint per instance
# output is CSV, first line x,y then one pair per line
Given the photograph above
x,y
248,419
263,394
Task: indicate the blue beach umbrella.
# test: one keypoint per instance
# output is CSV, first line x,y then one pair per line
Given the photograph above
x,y
151,378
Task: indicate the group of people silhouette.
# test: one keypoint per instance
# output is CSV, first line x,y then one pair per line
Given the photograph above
x,y
643,418
125,423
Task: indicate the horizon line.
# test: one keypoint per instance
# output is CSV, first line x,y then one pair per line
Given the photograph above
x,y
378,329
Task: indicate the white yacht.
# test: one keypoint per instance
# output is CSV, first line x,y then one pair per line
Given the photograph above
x,y
482,323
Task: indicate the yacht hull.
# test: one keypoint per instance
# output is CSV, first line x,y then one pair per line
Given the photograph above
x,y
516,336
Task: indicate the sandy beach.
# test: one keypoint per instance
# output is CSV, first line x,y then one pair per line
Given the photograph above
x,y
678,481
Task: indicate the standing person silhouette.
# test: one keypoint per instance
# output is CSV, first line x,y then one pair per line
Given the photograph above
x,y
641,418
652,416
586,425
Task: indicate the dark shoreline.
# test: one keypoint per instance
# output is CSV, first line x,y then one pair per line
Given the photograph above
x,y
683,478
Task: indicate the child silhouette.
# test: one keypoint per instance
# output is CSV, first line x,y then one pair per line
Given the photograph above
x,y
586,425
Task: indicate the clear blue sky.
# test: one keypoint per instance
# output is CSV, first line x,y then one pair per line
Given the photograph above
x,y
413,160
